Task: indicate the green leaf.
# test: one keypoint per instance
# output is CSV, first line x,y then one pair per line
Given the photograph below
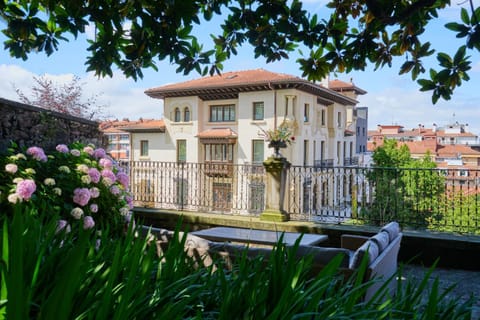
x,y
455,26
465,17
426,85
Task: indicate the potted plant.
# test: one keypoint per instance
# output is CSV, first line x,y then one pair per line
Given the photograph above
x,y
279,138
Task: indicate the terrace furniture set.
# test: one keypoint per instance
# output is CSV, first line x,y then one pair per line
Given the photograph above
x,y
381,249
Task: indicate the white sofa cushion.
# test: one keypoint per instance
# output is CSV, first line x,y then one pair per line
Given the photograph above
x,y
392,228
369,246
382,239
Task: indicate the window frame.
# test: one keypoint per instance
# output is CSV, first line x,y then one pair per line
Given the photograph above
x,y
219,152
258,104
223,113
186,114
144,148
177,115
257,143
181,142
306,112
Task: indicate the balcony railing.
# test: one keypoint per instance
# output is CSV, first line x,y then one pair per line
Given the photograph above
x,y
323,163
350,161
434,199
218,169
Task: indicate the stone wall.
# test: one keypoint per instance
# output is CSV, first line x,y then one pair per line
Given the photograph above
x,y
32,126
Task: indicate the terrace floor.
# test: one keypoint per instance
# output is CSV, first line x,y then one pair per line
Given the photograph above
x,y
467,282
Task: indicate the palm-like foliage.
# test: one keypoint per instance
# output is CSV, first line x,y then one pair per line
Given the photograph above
x,y
49,275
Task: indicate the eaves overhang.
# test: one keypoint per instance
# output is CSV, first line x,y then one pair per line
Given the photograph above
x,y
220,92
143,130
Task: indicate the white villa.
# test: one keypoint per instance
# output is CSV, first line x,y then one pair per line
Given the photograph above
x,y
197,157
223,118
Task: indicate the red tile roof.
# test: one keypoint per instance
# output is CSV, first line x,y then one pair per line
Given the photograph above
x,y
420,147
145,126
455,149
228,79
228,85
217,133
340,86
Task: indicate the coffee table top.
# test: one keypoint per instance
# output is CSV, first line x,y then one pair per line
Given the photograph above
x,y
258,236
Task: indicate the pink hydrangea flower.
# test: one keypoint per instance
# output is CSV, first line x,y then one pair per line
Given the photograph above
x,y
26,188
94,192
62,148
114,190
94,175
108,174
63,224
129,200
122,177
106,163
75,152
94,207
99,153
81,196
88,150
88,222
37,153
11,168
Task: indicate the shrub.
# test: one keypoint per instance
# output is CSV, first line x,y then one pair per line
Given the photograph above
x,y
78,185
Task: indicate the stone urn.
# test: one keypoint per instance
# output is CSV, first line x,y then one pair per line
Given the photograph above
x,y
277,145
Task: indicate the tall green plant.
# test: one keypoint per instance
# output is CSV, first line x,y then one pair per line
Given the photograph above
x,y
48,274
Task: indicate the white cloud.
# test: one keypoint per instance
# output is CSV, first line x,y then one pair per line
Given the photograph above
x,y
12,77
123,98
410,108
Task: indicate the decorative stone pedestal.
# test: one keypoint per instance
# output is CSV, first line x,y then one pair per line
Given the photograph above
x,y
276,168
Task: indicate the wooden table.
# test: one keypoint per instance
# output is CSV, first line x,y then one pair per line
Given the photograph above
x,y
230,234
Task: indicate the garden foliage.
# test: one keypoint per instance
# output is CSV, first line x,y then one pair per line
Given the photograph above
x,y
47,274
54,267
77,184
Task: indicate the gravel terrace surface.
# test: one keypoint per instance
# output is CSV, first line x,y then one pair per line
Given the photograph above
x,y
467,282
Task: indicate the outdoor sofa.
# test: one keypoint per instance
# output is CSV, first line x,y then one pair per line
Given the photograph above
x,y
381,250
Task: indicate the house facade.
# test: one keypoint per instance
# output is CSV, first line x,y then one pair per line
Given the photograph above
x,y
209,153
118,140
223,119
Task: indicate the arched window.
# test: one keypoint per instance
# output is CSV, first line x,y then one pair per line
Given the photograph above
x,y
186,114
177,115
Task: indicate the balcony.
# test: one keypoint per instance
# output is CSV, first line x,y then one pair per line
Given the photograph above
x,y
350,161
325,163
218,169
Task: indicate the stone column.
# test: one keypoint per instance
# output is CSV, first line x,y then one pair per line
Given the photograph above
x,y
276,168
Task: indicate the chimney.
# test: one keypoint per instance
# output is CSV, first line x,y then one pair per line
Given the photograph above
x,y
325,81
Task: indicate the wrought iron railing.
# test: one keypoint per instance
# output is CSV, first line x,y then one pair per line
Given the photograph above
x,y
233,189
443,200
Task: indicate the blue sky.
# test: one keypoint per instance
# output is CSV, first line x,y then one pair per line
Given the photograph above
x,y
391,99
